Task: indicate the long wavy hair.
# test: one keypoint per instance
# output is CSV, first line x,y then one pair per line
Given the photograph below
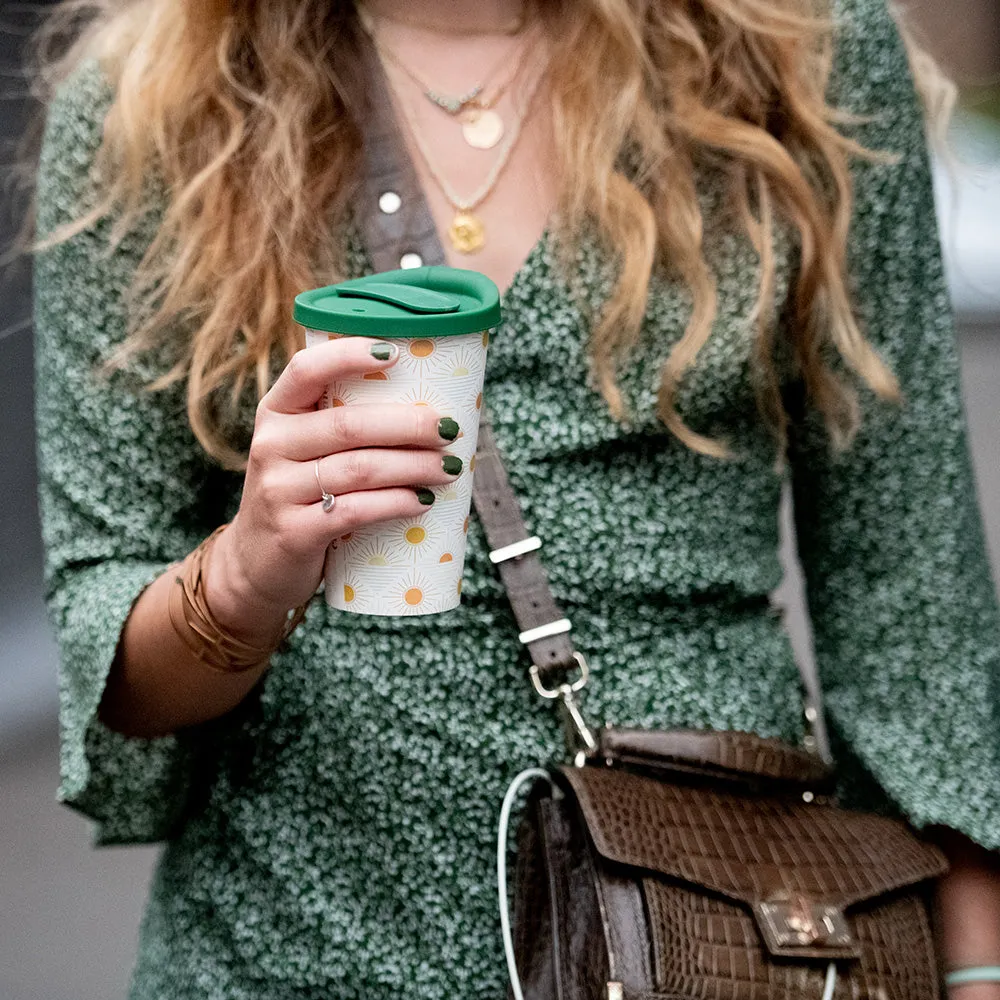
x,y
243,110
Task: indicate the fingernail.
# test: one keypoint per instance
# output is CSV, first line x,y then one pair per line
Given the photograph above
x,y
448,429
452,464
383,352
425,496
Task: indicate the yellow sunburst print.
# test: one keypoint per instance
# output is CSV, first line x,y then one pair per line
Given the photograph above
x,y
413,538
420,356
421,348
464,362
355,593
415,593
341,394
425,395
373,552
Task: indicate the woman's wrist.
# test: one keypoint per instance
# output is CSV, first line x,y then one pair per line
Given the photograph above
x,y
974,991
968,917
237,606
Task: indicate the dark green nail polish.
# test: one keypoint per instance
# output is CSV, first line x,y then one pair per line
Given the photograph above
x,y
382,352
425,496
448,428
452,464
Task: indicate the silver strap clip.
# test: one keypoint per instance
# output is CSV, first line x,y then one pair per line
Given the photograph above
x,y
545,631
516,549
580,738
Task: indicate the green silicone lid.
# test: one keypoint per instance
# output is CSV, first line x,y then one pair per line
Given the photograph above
x,y
419,302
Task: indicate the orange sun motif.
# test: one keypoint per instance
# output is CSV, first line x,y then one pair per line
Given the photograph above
x,y
421,348
416,593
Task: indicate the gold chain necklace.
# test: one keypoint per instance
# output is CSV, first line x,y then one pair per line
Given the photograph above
x,y
482,126
467,231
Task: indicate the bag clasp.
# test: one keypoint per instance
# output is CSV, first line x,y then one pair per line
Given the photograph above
x,y
798,927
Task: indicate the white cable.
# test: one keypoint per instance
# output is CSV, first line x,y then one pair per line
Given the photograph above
x,y
831,981
508,804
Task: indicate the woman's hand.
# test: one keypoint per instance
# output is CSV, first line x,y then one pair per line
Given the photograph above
x,y
377,460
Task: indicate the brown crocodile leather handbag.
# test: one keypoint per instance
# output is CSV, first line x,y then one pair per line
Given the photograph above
x,y
670,865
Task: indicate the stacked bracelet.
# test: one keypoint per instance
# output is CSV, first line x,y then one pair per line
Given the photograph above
x,y
195,624
973,974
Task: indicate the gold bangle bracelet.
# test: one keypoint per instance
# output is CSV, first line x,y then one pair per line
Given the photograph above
x,y
200,631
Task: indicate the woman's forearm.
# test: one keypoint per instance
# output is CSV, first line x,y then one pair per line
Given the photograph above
x,y
157,684
968,912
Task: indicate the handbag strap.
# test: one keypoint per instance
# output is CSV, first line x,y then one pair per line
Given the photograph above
x,y
544,629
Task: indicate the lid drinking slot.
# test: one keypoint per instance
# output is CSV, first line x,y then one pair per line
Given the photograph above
x,y
409,297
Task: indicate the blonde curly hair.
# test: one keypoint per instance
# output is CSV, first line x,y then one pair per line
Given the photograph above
x,y
244,111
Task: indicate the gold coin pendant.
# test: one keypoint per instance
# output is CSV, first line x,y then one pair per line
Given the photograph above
x,y
467,233
482,128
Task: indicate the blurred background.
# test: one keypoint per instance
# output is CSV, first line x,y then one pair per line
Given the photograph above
x,y
68,914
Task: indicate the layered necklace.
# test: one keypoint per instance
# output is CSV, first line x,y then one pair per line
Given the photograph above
x,y
482,128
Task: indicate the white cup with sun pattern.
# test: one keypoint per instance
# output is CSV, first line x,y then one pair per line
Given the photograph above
x,y
440,318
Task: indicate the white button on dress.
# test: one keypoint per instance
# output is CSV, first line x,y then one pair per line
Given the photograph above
x,y
390,202
409,260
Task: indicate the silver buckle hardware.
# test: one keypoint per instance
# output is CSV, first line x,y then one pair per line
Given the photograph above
x,y
544,631
797,926
515,549
578,732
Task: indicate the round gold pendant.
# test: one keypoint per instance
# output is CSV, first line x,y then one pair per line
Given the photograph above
x,y
482,128
467,233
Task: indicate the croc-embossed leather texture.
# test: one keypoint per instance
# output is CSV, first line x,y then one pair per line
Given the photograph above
x,y
678,865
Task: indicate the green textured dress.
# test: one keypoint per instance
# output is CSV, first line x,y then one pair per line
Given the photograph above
x,y
333,836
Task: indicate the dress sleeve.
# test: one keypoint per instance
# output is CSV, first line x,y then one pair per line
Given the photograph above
x,y
122,482
904,612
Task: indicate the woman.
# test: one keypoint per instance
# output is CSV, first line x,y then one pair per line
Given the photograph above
x,y
698,307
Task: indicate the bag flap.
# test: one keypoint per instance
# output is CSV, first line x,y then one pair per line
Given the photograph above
x,y
725,755
750,849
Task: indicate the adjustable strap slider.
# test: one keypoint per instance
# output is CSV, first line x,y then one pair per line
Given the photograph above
x,y
515,549
545,631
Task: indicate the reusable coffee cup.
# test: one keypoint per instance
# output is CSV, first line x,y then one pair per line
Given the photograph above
x,y
441,319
